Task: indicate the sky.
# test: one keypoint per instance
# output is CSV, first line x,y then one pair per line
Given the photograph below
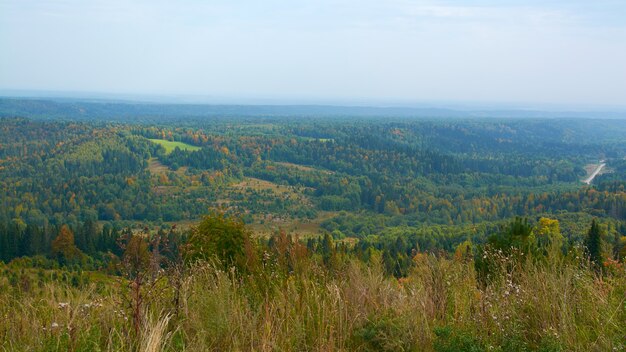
x,y
571,53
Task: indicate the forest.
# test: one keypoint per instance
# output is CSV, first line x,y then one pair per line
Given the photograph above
x,y
188,229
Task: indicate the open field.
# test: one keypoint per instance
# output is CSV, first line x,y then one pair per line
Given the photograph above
x,y
303,228
262,185
302,167
170,146
155,166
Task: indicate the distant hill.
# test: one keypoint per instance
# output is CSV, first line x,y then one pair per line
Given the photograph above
x,y
80,109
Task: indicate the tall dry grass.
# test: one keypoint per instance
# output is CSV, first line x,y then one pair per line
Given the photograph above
x,y
155,336
558,305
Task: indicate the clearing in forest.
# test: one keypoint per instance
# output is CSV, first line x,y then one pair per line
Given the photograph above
x,y
302,167
261,185
155,166
593,170
170,146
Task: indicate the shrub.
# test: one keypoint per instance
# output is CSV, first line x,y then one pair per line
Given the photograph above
x,y
450,339
384,333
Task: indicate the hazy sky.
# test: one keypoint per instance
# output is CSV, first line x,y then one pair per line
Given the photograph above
x,y
567,52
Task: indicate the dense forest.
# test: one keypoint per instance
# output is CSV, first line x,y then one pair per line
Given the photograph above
x,y
452,220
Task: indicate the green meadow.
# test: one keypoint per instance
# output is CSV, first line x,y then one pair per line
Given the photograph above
x,y
170,146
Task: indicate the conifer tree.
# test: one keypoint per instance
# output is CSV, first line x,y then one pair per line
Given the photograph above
x,y
593,243
327,248
4,244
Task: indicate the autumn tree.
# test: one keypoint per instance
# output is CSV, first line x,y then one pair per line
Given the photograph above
x,y
136,266
288,251
549,237
63,247
464,251
136,257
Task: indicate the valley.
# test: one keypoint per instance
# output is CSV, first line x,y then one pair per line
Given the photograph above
x,y
114,232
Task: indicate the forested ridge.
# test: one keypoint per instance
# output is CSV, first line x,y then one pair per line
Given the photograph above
x,y
416,173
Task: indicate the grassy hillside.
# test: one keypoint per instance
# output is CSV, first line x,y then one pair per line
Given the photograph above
x,y
440,306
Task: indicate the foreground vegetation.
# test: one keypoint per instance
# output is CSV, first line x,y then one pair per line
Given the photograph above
x,y
226,291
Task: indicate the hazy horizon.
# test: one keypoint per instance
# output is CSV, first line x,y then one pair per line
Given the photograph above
x,y
523,54
460,106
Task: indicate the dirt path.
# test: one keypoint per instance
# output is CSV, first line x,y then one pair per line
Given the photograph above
x,y
595,172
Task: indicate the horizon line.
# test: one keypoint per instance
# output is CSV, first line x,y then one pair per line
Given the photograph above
x,y
355,102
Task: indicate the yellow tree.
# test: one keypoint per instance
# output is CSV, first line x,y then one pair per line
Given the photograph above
x,y
549,236
464,251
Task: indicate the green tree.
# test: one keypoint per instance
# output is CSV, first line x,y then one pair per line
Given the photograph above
x,y
327,249
224,238
519,235
593,243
